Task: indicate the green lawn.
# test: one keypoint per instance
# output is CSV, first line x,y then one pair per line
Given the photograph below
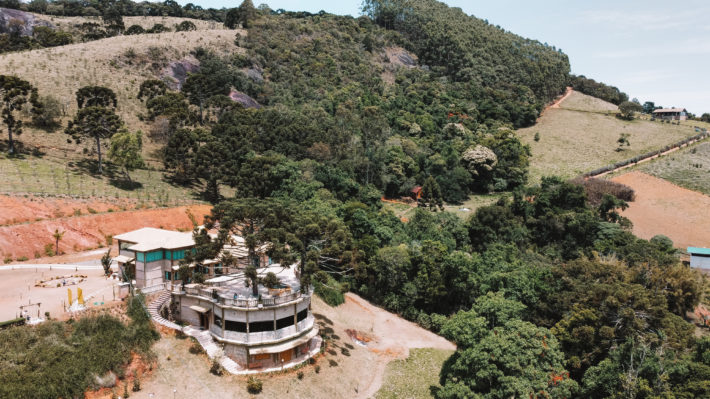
x,y
414,376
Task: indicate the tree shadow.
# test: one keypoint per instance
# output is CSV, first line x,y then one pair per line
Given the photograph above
x,y
322,318
332,363
123,184
22,150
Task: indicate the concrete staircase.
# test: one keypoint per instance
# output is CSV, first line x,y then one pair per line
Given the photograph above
x,y
213,349
155,307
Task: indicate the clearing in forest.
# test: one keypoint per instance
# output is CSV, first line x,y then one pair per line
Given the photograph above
x,y
689,168
661,207
581,135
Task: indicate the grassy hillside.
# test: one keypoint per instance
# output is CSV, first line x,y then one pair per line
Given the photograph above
x,y
581,135
69,23
689,168
120,63
414,376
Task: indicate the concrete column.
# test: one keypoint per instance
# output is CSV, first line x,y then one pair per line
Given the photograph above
x,y
274,319
295,315
223,322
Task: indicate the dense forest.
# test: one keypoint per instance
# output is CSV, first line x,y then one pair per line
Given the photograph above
x,y
546,294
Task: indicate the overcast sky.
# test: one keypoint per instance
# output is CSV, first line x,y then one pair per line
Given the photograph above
x,y
653,50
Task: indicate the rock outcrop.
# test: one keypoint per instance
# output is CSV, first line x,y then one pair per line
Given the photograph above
x,y
24,21
176,72
245,100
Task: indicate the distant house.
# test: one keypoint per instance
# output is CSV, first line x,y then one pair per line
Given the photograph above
x,y
677,114
700,258
416,193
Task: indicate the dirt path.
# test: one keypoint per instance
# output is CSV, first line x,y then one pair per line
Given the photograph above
x,y
664,208
392,337
556,104
31,222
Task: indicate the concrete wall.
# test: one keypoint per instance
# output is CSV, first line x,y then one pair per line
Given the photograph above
x,y
191,316
700,262
236,352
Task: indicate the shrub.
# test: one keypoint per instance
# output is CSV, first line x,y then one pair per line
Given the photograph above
x,y
597,188
136,384
134,30
22,259
7,260
300,375
46,115
125,391
49,249
329,292
317,368
185,26
196,348
216,368
254,385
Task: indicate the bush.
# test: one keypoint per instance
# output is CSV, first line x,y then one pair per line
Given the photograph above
x,y
597,188
317,368
254,385
47,115
49,249
300,375
329,292
136,384
196,348
134,30
185,26
216,368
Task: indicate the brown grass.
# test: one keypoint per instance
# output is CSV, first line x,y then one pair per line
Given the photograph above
x,y
583,102
597,188
576,141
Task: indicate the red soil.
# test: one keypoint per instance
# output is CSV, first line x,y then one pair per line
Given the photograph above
x,y
18,209
81,232
664,208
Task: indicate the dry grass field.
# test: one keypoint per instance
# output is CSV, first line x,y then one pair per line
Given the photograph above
x,y
581,136
120,63
689,168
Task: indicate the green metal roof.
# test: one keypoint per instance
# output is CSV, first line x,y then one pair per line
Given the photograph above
x,y
699,251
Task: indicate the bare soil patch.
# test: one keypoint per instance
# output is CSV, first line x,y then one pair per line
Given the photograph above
x,y
664,208
20,209
17,287
88,231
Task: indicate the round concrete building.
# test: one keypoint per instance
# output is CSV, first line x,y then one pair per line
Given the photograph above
x,y
269,331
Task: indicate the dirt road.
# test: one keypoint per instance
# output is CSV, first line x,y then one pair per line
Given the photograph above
x,y
664,208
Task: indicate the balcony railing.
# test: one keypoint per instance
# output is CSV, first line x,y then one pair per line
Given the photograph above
x,y
265,337
226,300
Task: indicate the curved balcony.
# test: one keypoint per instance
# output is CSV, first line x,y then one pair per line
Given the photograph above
x,y
263,337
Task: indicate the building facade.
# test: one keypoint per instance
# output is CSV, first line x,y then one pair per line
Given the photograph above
x,y
700,259
677,114
259,332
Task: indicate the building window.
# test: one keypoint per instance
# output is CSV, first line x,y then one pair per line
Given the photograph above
x,y
217,321
178,255
285,322
260,326
167,276
154,256
237,326
140,256
302,314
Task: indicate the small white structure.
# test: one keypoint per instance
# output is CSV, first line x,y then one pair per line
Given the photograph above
x,y
700,258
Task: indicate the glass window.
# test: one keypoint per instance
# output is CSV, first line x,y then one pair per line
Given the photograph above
x,y
140,256
260,326
154,256
167,276
177,255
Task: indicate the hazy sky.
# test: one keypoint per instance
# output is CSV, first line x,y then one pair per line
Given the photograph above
x,y
653,50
